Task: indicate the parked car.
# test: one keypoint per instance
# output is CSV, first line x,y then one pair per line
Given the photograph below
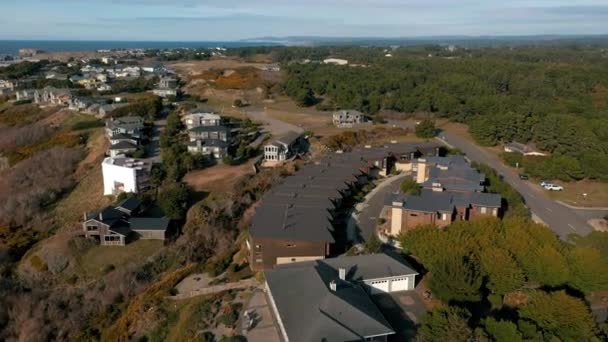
x,y
554,187
524,176
544,183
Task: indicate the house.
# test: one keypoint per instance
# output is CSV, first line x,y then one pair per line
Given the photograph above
x,y
107,109
329,300
526,150
215,148
348,118
7,84
122,148
283,148
130,125
114,226
167,82
166,87
295,220
104,87
439,209
53,96
208,136
198,117
452,173
156,68
122,174
335,61
25,95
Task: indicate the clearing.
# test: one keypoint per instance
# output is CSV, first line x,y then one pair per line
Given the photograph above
x,y
218,178
102,259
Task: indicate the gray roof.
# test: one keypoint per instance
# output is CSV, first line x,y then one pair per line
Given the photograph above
x,y
311,311
433,201
297,223
149,223
289,138
219,128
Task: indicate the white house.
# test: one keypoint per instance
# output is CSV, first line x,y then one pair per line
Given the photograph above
x,y
201,118
348,118
282,148
122,174
335,61
526,150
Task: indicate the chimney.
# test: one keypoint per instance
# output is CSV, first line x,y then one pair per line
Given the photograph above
x,y
101,216
421,176
342,273
333,286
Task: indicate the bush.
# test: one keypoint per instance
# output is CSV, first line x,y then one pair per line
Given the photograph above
x,y
80,125
426,129
410,187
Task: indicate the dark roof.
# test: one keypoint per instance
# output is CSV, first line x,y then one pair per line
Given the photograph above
x,y
220,128
123,136
121,228
107,215
149,223
311,311
210,142
297,223
130,203
123,145
433,201
289,138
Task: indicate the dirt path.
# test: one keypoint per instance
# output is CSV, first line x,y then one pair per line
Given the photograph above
x,y
243,284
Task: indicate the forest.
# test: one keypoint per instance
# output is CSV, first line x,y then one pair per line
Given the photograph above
x,y
553,97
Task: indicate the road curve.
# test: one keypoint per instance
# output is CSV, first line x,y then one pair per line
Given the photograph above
x,y
562,220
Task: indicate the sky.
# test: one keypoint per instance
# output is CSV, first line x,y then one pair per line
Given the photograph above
x,y
225,20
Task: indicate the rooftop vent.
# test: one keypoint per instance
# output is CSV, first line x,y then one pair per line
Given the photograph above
x,y
333,285
342,273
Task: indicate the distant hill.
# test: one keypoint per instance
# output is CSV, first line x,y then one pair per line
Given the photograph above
x,y
468,41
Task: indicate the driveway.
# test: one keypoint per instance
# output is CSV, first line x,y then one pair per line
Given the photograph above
x,y
362,223
562,220
153,148
403,310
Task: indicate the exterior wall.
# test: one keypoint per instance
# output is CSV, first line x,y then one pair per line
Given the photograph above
x,y
103,233
150,234
266,252
412,219
476,212
421,175
411,281
403,167
396,221
289,260
113,174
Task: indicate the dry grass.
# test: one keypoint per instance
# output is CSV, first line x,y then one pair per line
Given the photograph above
x,y
98,260
88,193
219,178
597,194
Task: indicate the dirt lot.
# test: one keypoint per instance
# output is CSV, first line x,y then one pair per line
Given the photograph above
x,y
217,178
193,68
573,194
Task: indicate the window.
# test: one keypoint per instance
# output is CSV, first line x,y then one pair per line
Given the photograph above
x,y
484,210
290,245
413,215
444,217
293,259
258,247
91,228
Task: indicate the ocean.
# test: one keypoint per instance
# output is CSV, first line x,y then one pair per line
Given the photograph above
x,y
11,47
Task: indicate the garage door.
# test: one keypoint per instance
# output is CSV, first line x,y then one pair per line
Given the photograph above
x,y
378,286
399,284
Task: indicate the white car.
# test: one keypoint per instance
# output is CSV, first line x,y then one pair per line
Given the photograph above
x,y
554,187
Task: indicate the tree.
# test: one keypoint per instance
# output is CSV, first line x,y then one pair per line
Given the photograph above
x,y
449,324
173,200
588,267
456,278
373,244
504,274
502,331
558,315
410,187
426,129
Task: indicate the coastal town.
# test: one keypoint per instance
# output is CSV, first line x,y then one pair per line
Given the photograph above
x,y
237,210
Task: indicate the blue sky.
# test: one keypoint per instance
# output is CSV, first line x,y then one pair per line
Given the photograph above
x,y
191,20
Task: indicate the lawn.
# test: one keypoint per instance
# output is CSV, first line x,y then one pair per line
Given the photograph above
x,y
597,193
101,259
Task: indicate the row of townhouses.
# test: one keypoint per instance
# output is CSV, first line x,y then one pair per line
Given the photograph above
x,y
293,232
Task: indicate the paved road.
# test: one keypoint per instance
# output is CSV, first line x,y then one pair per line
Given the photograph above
x,y
365,217
562,220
